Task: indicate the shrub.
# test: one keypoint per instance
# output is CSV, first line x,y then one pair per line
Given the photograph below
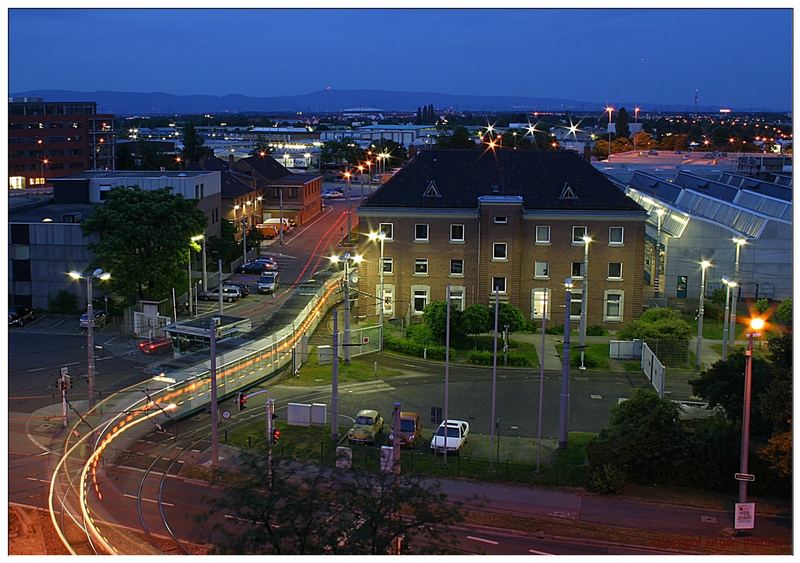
x,y
607,479
480,357
596,330
518,360
420,334
414,348
761,306
718,296
63,302
784,313
712,310
554,330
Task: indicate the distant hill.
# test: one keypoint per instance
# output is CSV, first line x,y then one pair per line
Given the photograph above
x,y
329,100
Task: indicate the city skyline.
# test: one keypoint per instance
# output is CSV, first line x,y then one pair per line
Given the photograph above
x,y
581,54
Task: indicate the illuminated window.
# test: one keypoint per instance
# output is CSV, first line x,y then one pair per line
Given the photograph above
x,y
16,182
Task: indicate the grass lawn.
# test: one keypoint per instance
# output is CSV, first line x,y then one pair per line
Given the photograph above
x,y
312,373
485,342
595,356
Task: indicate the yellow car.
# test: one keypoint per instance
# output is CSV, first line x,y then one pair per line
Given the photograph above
x,y
367,425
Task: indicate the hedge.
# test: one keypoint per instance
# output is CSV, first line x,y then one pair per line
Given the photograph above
x,y
484,358
412,348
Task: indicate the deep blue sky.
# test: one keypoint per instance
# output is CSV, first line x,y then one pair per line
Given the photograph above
x,y
739,58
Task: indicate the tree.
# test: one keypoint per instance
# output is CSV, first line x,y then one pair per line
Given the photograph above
x,y
397,152
643,140
193,148
623,131
459,139
510,316
308,509
143,238
224,247
125,159
477,319
657,324
435,316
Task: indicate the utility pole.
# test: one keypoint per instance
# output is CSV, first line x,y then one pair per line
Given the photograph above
x,y
347,308
541,386
446,369
563,411
494,374
205,269
270,408
335,378
219,284
244,243
215,322
90,342
396,442
280,226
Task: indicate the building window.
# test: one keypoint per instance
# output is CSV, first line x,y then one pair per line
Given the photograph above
x,y
500,251
388,299
388,266
456,267
616,236
20,252
276,193
421,232
16,182
541,270
615,270
420,298
577,235
613,301
292,193
457,298
421,267
456,233
501,219
540,303
542,234
387,229
577,270
575,306
499,284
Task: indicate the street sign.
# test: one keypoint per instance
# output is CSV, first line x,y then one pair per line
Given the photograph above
x,y
365,340
64,371
744,477
744,516
226,414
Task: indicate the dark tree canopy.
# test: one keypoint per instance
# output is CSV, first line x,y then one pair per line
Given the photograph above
x,y
459,139
623,131
193,147
144,240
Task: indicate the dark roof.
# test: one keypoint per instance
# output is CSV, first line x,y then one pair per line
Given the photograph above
x,y
300,178
209,163
232,187
462,176
265,166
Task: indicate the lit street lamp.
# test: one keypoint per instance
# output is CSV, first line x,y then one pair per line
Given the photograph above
x,y
563,408
703,266
756,325
349,209
44,163
739,242
728,285
382,238
348,278
202,240
609,109
584,298
103,276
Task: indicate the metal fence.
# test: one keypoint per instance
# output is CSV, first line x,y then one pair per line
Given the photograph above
x,y
625,349
674,353
653,369
150,326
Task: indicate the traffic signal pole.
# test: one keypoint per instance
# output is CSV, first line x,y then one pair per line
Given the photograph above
x,y
214,422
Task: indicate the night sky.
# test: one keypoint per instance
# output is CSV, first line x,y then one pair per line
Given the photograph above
x,y
737,58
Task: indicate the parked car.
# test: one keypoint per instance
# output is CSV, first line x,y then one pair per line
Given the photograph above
x,y
100,319
244,287
366,427
268,282
156,346
652,151
230,293
253,268
18,315
333,194
457,433
410,432
271,263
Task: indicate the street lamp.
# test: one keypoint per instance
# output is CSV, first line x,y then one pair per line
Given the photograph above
x,y
202,239
349,208
739,242
381,236
44,162
728,285
609,109
584,298
703,266
346,258
98,274
656,281
563,410
756,325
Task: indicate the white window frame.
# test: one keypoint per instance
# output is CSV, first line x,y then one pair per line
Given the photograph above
x,y
621,301
503,291
503,258
547,301
501,219
572,270
390,235
536,234
461,299
546,275
427,232
457,240
575,300
453,274
621,242
422,289
390,261
388,292
419,261
614,278
579,240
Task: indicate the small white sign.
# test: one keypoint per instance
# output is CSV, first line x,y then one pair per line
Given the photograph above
x,y
745,516
64,371
226,414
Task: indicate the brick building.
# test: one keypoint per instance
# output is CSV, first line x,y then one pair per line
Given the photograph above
x,y
55,139
514,220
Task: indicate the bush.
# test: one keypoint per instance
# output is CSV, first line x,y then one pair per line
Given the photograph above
x,y
596,330
63,302
480,357
762,305
420,334
554,330
607,479
713,311
484,358
414,348
784,313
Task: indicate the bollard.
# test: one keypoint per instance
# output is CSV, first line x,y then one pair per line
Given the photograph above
x,y
248,441
425,353
226,435
321,452
375,368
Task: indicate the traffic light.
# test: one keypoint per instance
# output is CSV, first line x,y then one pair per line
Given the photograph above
x,y
241,401
68,382
276,435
